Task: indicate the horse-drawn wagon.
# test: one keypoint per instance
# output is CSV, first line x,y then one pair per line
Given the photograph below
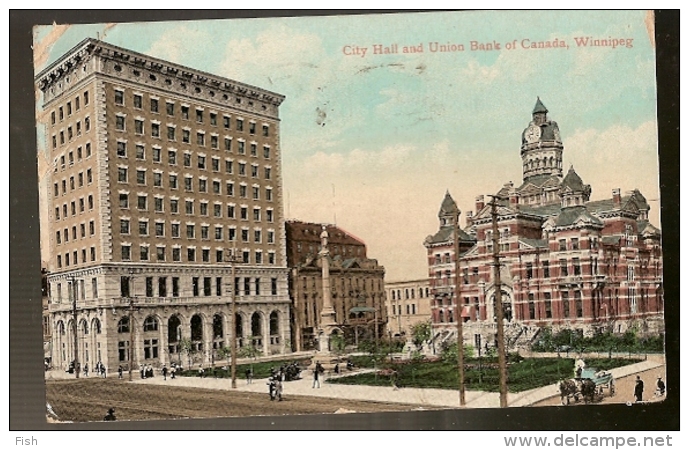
x,y
589,385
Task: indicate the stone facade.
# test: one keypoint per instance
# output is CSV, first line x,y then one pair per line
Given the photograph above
x,y
162,175
566,261
356,284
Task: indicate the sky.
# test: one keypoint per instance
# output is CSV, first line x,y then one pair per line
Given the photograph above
x,y
372,142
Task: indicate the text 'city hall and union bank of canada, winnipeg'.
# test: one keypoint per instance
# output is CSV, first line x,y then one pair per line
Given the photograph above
x,y
493,45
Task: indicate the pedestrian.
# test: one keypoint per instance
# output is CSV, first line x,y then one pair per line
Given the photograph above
x,y
316,376
278,388
660,387
119,372
164,371
110,416
248,376
638,389
201,373
143,372
86,369
337,369
103,371
173,369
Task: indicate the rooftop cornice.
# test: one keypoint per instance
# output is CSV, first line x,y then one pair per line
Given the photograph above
x,y
90,47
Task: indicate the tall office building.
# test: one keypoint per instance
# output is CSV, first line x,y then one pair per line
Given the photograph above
x,y
162,176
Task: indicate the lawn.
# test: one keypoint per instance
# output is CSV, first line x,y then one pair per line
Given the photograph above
x,y
479,375
260,369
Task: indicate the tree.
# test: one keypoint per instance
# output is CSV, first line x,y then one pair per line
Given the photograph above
x,y
225,352
250,351
337,343
421,332
187,347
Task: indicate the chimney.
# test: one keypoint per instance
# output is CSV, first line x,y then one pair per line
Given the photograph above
x,y
514,198
616,197
479,203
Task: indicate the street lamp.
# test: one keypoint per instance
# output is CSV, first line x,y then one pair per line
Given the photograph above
x,y
73,294
230,257
131,322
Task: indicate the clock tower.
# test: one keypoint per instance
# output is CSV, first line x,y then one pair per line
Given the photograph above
x,y
541,145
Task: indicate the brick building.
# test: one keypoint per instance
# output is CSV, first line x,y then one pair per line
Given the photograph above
x,y
160,173
356,282
566,261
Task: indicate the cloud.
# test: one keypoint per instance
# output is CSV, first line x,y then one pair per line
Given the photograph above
x,y
330,163
617,157
176,44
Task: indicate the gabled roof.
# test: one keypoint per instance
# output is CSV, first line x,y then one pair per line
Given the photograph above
x,y
646,229
539,181
576,214
543,211
446,234
533,243
611,239
626,203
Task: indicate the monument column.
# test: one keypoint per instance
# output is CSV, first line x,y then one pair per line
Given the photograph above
x,y
327,316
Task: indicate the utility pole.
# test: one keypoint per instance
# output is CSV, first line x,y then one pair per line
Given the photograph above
x,y
73,292
233,311
502,357
458,307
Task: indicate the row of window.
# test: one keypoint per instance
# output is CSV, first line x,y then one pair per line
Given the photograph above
x,y
82,203
200,115
398,310
70,156
190,228
74,260
201,140
68,108
200,286
72,132
205,255
74,182
122,151
204,209
64,235
396,294
202,186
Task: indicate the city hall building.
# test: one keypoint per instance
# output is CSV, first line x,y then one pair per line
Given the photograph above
x,y
164,177
565,261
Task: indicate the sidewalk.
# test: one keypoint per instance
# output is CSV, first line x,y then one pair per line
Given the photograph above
x,y
435,398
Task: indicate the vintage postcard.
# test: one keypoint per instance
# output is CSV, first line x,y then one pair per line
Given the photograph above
x,y
291,216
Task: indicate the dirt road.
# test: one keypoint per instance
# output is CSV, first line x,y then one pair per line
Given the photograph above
x,y
86,400
624,388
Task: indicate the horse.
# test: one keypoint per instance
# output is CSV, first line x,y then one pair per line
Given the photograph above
x,y
588,390
568,389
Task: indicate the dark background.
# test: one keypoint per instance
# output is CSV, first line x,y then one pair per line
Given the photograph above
x,y
27,391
